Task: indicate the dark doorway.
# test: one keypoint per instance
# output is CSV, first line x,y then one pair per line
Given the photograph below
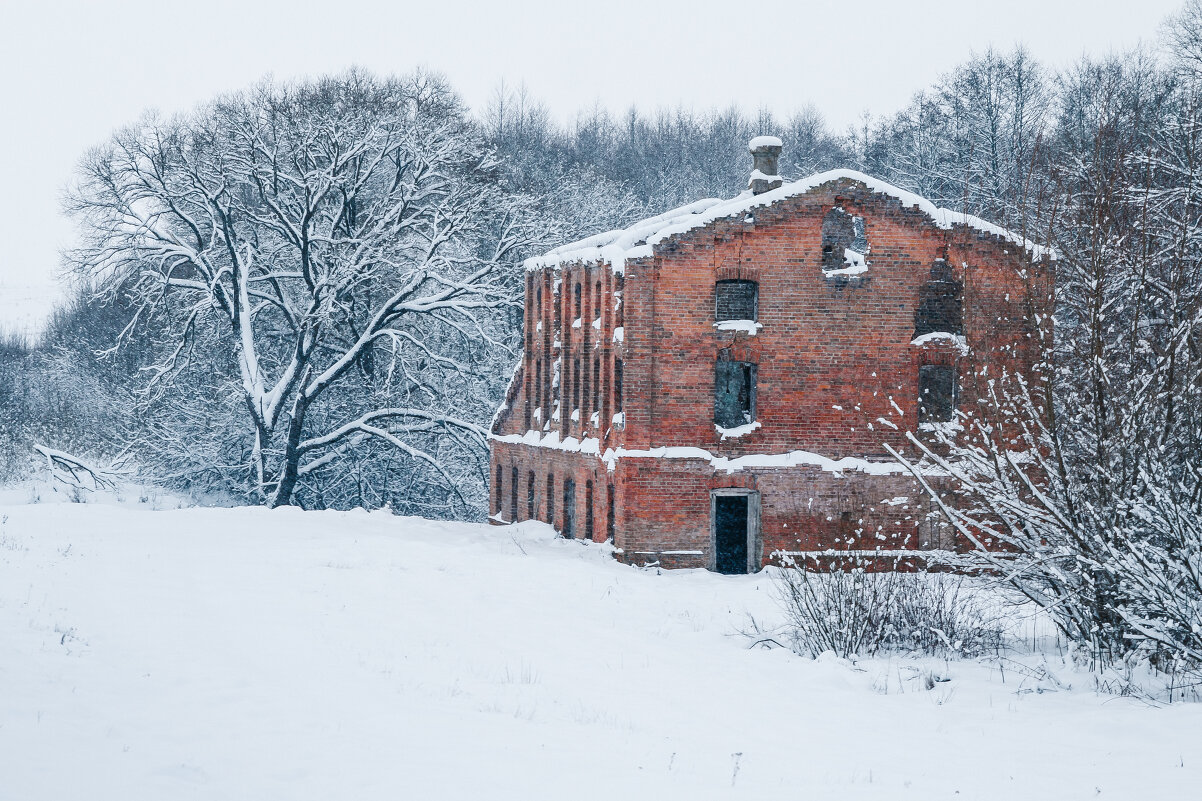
x,y
730,534
569,508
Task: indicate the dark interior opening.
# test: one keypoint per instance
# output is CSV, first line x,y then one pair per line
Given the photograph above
x,y
730,534
569,508
734,393
936,393
735,300
940,303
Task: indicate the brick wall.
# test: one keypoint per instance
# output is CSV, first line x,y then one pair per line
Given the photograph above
x,y
834,355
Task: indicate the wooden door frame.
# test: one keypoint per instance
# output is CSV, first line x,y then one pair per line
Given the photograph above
x,y
755,542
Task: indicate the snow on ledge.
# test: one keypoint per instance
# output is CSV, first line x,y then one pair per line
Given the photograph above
x,y
591,446
942,336
855,261
749,327
737,431
638,240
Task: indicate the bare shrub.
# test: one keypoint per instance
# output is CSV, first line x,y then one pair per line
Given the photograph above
x,y
859,612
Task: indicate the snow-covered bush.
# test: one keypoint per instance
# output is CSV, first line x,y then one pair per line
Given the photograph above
x,y
859,611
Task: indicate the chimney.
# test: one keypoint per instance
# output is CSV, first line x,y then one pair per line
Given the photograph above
x,y
766,152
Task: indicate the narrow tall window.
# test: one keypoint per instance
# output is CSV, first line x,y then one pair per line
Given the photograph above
x,y
597,301
735,300
936,393
569,508
609,517
530,495
588,510
538,385
550,498
577,299
576,383
617,385
734,393
585,395
596,383
513,493
499,490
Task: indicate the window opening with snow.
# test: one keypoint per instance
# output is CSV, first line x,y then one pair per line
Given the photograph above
x,y
734,393
735,300
844,241
936,393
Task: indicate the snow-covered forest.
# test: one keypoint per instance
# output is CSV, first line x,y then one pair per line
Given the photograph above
x,y
308,293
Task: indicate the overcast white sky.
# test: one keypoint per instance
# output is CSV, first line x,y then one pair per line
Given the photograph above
x,y
73,70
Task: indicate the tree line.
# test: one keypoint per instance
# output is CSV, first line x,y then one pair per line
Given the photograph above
x,y
309,293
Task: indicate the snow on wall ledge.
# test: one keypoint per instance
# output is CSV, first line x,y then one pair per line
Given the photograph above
x,y
637,241
591,446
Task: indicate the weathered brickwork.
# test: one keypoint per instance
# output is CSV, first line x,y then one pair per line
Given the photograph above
x,y
621,362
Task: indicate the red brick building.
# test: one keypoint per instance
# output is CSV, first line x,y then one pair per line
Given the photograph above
x,y
714,385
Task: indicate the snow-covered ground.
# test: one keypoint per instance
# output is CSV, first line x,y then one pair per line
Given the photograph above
x,y
254,654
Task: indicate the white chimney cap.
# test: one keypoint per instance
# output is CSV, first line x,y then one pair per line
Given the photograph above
x,y
764,141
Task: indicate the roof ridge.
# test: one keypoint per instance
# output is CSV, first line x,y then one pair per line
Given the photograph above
x,y
638,239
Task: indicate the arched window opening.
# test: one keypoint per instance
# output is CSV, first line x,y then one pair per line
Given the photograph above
x,y
530,495
577,306
550,497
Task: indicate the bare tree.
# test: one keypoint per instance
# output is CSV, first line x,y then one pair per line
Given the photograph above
x,y
322,237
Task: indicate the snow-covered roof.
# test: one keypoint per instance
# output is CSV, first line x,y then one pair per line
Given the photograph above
x,y
637,241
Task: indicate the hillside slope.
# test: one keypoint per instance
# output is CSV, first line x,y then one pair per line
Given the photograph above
x,y
247,653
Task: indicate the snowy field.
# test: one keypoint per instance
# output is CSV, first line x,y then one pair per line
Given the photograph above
x,y
254,654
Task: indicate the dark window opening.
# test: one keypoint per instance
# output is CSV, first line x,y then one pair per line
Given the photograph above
x,y
841,232
539,302
596,383
597,301
537,390
576,383
940,303
618,385
588,510
499,491
936,393
734,393
585,394
735,300
551,498
609,517
530,495
577,307
569,508
513,494
730,534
